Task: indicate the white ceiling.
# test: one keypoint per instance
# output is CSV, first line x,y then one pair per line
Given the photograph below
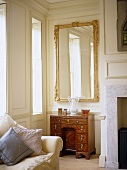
x,y
53,1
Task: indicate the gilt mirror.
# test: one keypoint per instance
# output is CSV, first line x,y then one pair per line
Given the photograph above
x,y
76,47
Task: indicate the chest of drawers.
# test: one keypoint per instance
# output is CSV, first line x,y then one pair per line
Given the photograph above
x,y
77,132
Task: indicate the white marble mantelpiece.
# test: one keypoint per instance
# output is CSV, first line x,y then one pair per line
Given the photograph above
x,y
102,117
112,92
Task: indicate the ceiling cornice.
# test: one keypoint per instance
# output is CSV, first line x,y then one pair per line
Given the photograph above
x,y
66,5
58,7
43,5
73,5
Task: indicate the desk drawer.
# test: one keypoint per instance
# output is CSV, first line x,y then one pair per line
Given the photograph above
x,y
75,121
55,128
82,128
81,147
82,138
55,119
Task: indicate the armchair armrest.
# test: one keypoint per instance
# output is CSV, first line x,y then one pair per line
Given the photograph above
x,y
52,144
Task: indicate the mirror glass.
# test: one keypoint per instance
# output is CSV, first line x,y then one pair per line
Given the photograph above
x,y
76,61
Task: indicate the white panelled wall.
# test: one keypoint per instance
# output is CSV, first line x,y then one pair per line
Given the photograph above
x,y
112,65
19,36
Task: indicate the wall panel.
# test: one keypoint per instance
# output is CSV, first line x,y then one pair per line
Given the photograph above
x,y
24,122
39,122
116,69
110,26
18,57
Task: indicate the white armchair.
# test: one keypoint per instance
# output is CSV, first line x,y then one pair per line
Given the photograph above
x,y
51,145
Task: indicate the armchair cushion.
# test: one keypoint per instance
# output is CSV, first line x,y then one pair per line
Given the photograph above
x,y
5,123
12,149
32,138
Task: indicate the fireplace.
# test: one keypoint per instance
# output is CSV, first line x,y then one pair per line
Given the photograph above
x,y
115,109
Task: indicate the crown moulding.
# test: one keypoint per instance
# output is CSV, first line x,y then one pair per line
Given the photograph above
x,y
41,5
66,5
57,7
74,8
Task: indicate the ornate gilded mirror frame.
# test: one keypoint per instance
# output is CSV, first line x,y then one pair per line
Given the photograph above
x,y
94,23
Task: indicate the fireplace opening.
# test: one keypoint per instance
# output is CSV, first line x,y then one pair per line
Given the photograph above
x,y
122,112
122,132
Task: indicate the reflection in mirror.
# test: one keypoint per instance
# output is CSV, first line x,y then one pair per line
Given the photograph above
x,y
75,65
76,61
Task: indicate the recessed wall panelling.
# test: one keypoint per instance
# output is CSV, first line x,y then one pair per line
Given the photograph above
x,y
38,124
18,57
117,69
110,26
24,122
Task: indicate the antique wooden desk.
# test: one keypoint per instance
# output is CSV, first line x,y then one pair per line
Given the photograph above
x,y
77,132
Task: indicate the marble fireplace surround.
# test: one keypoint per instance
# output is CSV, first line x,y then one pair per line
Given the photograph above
x,y
112,92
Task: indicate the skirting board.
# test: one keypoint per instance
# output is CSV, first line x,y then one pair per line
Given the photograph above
x,y
102,161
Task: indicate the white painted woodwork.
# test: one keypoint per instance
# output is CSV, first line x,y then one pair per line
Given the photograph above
x,y
112,64
117,69
19,18
110,26
18,56
24,122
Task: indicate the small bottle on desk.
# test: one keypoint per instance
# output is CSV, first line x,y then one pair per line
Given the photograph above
x,y
60,111
65,111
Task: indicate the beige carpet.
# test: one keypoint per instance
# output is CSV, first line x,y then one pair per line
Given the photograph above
x,y
69,162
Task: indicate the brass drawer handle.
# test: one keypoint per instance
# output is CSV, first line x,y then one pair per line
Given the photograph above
x,y
55,126
77,121
68,120
81,128
81,139
81,146
59,120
